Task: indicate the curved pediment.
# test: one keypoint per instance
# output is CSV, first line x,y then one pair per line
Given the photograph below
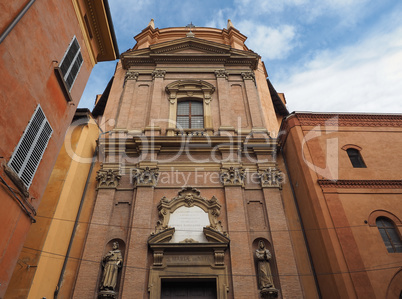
x,y
189,50
190,86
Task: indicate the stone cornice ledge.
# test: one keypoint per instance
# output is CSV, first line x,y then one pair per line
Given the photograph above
x,y
349,120
377,184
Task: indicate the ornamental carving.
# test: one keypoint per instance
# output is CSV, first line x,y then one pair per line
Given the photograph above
x,y
131,75
189,197
221,74
146,176
248,76
158,74
271,178
108,178
232,176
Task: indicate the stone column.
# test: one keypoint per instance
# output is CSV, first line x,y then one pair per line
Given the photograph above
x,y
241,255
156,101
136,274
253,101
89,272
224,102
290,286
123,115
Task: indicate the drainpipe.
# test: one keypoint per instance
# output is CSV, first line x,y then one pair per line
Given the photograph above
x,y
302,226
16,20
76,224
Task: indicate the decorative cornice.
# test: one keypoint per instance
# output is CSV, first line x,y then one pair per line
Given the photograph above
x,y
376,184
158,74
221,74
96,26
108,178
232,176
145,176
271,177
349,120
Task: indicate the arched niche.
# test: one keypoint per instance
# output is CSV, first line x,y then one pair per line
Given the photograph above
x,y
197,90
188,257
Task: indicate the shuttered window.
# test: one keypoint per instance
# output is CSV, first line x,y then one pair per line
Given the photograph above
x,y
71,63
29,151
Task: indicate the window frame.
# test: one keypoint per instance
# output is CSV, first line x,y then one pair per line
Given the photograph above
x,y
354,155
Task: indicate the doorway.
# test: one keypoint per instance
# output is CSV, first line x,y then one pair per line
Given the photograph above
x,y
188,289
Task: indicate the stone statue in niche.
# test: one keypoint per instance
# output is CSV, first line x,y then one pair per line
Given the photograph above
x,y
111,263
265,281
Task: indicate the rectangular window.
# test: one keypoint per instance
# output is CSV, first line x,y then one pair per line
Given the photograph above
x,y
71,63
29,151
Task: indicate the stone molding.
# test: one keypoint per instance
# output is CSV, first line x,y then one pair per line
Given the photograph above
x,y
350,120
146,176
375,184
232,176
108,178
158,74
131,75
248,76
221,74
189,197
271,177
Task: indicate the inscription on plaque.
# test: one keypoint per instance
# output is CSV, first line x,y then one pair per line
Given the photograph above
x,y
189,223
189,259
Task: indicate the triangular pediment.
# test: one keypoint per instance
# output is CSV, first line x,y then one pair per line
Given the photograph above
x,y
189,50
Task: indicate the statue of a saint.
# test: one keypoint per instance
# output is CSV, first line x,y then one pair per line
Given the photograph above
x,y
264,268
111,263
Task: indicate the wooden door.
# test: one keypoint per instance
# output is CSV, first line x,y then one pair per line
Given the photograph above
x,y
191,289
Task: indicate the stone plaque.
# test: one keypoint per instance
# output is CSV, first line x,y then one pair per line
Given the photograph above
x,y
189,223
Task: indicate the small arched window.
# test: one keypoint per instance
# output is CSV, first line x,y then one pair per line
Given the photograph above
x,y
190,115
355,158
389,234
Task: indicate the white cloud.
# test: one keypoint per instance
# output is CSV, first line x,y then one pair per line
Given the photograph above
x,y
270,43
364,77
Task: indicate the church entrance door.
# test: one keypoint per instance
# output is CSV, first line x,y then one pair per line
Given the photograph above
x,y
188,289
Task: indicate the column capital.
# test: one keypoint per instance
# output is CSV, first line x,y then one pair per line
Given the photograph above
x,y
131,75
158,74
248,76
146,176
271,177
221,74
232,176
108,178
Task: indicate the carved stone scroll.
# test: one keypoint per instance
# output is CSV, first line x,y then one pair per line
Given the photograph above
x,y
221,74
248,76
232,176
271,178
108,178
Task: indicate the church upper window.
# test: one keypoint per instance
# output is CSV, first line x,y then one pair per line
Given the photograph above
x,y
389,234
190,115
355,158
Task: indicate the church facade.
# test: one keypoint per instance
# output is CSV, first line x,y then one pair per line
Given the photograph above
x,y
207,187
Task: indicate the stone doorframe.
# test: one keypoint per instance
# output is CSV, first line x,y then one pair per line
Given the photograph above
x,y
190,89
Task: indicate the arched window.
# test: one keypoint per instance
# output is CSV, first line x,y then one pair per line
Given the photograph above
x,y
389,234
190,115
355,158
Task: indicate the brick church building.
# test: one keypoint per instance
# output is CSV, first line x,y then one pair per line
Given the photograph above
x,y
207,187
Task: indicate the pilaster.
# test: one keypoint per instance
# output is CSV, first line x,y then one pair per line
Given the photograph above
x,y
130,81
282,245
253,100
223,98
156,102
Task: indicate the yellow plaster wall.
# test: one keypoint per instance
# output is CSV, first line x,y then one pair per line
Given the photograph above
x,y
58,237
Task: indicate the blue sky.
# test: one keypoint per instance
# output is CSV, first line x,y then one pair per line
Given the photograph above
x,y
325,55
